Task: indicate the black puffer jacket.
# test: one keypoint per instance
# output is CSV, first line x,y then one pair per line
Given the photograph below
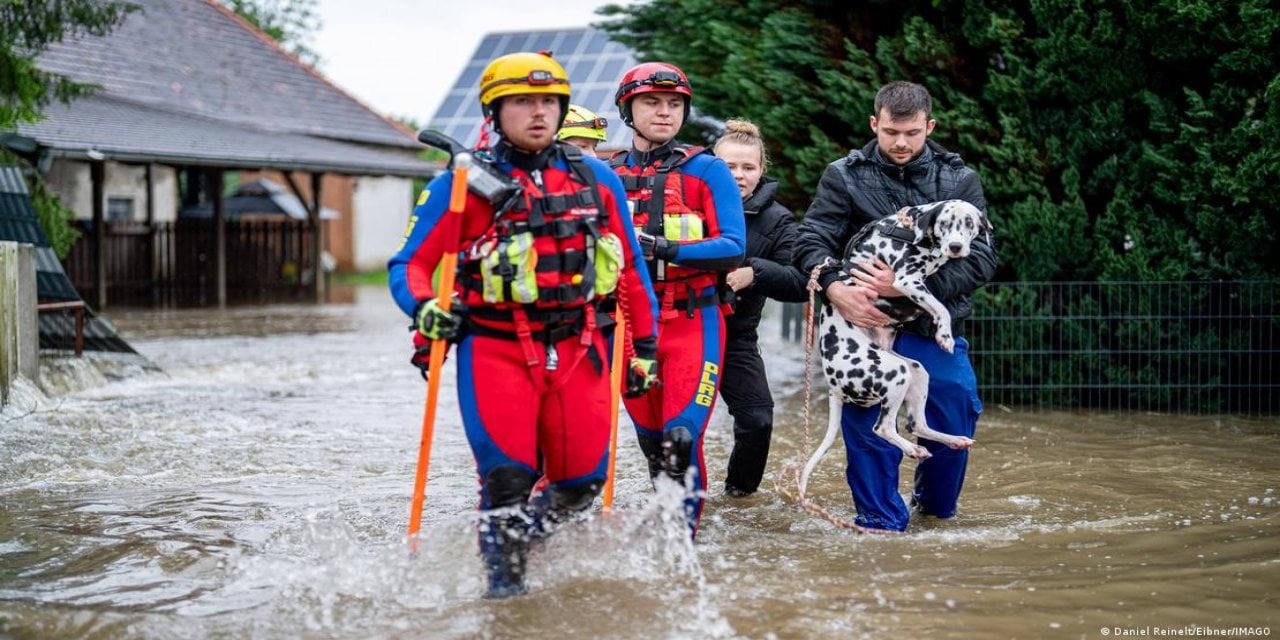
x,y
771,235
864,186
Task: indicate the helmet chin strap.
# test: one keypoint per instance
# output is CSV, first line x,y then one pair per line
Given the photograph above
x,y
496,120
630,122
636,133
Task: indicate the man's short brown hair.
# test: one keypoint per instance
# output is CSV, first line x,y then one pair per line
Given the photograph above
x,y
903,100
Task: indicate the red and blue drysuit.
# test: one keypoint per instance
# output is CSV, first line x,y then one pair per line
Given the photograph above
x,y
533,380
678,185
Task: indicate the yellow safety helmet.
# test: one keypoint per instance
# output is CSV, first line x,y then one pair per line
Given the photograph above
x,y
518,73
581,122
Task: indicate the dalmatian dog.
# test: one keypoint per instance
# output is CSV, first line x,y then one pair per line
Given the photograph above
x,y
860,364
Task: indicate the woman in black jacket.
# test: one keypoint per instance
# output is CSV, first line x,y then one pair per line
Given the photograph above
x,y
766,273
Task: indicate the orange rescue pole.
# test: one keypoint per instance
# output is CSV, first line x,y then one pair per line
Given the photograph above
x,y
444,292
615,394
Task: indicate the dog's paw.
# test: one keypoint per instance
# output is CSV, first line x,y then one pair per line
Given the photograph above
x,y
946,341
960,442
919,453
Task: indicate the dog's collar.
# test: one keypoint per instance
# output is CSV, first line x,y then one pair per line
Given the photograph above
x,y
898,233
889,227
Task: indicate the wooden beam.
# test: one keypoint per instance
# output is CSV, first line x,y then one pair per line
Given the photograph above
x,y
150,196
97,175
297,193
316,250
150,204
220,236
317,247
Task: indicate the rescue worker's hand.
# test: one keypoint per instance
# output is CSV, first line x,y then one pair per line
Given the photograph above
x,y
422,354
654,247
642,370
434,323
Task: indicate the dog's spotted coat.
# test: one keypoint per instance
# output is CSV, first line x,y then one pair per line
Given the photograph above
x,y
860,364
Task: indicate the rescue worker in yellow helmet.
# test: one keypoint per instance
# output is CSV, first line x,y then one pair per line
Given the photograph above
x,y
540,253
583,129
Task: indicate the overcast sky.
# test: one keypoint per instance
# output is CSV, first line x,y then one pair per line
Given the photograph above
x,y
400,57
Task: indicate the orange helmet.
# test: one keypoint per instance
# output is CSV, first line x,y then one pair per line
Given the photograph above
x,y
650,77
519,73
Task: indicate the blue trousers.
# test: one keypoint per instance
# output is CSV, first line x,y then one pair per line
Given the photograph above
x,y
953,407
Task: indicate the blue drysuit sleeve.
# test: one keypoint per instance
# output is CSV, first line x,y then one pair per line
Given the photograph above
x,y
725,250
411,268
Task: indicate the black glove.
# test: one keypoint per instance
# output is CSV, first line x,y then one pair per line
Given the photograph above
x,y
642,369
422,354
434,323
655,247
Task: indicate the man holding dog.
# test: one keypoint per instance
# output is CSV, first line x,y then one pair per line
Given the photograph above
x,y
900,167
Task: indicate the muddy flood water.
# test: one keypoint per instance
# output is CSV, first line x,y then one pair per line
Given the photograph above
x,y
260,488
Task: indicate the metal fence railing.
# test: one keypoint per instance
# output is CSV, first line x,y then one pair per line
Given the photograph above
x,y
1177,347
1171,347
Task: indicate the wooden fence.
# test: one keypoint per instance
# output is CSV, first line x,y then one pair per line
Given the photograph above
x,y
171,264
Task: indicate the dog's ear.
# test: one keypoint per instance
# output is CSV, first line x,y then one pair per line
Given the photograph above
x,y
927,215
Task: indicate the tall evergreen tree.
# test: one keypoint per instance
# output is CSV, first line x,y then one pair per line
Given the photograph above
x,y
1116,140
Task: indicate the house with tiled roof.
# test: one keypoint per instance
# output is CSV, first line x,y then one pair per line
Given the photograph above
x,y
191,99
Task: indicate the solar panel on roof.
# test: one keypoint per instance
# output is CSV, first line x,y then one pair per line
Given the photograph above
x,y
595,96
593,61
572,41
596,45
488,46
541,41
574,66
471,75
613,68
450,107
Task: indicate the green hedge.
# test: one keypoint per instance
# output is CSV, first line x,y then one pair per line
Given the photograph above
x,y
1118,140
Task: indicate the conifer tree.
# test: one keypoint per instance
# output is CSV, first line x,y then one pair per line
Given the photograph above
x,y
1116,140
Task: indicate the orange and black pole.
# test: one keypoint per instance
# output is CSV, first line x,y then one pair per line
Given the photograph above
x,y
444,293
615,395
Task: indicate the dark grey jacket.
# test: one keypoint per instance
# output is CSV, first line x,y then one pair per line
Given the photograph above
x,y
771,235
864,186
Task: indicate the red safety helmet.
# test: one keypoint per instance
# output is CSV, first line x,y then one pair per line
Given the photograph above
x,y
650,77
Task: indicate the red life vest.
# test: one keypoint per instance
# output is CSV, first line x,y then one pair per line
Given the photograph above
x,y
536,262
651,214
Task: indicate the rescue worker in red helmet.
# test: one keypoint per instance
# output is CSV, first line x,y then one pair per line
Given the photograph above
x,y
688,215
583,129
537,258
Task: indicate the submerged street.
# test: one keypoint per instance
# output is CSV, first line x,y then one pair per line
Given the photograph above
x,y
260,487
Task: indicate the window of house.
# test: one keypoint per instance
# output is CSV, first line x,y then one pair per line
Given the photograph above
x,y
119,209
